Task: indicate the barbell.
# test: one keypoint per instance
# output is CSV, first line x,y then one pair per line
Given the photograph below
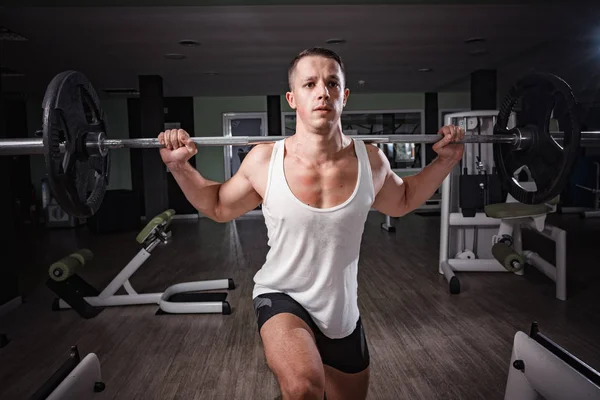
x,y
76,146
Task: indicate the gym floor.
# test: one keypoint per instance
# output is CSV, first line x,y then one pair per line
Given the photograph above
x,y
424,342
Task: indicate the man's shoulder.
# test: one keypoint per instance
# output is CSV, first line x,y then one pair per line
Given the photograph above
x,y
257,159
261,153
376,157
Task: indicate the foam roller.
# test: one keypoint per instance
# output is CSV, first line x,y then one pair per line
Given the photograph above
x,y
66,267
510,259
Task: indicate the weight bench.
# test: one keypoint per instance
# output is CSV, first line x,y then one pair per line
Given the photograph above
x,y
182,298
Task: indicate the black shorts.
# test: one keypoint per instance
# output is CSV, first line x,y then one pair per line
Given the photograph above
x,y
349,354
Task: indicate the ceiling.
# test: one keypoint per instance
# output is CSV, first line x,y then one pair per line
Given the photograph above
x,y
249,47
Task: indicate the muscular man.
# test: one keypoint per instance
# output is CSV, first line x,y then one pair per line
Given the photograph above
x,y
317,188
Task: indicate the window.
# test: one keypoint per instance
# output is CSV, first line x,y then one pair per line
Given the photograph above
x,y
394,122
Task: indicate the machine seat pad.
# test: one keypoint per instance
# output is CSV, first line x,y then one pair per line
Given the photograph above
x,y
515,210
163,218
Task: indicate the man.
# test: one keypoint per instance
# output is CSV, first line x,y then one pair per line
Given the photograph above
x,y
316,188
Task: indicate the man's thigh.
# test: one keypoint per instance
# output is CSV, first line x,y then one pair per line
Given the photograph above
x,y
346,364
288,341
294,347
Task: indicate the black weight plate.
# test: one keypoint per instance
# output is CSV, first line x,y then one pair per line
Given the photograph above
x,y
549,163
77,177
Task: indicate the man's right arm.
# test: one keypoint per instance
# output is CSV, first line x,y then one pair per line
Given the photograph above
x,y
221,202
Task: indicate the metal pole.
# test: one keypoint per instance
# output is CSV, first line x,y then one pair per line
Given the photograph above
x,y
588,138
25,146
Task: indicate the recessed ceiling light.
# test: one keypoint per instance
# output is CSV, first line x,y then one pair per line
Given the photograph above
x,y
425,70
475,40
211,73
335,41
174,56
189,43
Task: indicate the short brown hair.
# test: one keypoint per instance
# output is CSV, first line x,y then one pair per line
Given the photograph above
x,y
315,51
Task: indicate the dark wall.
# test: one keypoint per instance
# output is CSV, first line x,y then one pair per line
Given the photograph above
x,y
15,194
20,169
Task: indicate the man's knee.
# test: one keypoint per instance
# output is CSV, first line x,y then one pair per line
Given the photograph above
x,y
304,385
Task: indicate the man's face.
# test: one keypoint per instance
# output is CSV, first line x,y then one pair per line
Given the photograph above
x,y
318,93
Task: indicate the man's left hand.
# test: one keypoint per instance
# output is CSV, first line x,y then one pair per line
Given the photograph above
x,y
445,148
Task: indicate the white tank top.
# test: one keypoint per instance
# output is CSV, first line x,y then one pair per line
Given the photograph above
x,y
314,252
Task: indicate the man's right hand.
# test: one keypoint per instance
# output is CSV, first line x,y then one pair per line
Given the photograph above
x,y
179,147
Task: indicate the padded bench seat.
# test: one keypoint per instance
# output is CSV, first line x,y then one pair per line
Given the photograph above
x,y
515,210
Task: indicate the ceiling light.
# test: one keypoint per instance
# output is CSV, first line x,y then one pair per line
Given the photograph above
x,y
189,43
425,70
476,46
475,40
211,73
335,41
174,56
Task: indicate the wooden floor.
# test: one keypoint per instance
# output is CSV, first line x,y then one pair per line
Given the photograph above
x,y
424,342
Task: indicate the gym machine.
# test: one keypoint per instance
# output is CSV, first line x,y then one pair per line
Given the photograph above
x,y
539,368
482,232
75,379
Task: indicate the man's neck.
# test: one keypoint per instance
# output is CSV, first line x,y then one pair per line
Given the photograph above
x,y
318,146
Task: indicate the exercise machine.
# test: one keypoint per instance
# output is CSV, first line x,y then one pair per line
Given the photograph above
x,y
183,298
539,368
481,227
76,378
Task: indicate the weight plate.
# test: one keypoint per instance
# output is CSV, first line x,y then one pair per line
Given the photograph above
x,y
550,164
78,177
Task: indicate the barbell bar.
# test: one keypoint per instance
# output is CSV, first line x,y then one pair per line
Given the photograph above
x,y
589,138
33,146
76,144
36,145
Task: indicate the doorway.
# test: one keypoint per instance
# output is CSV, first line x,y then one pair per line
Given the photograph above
x,y
241,124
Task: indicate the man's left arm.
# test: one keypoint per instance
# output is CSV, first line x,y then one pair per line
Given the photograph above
x,y
399,196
